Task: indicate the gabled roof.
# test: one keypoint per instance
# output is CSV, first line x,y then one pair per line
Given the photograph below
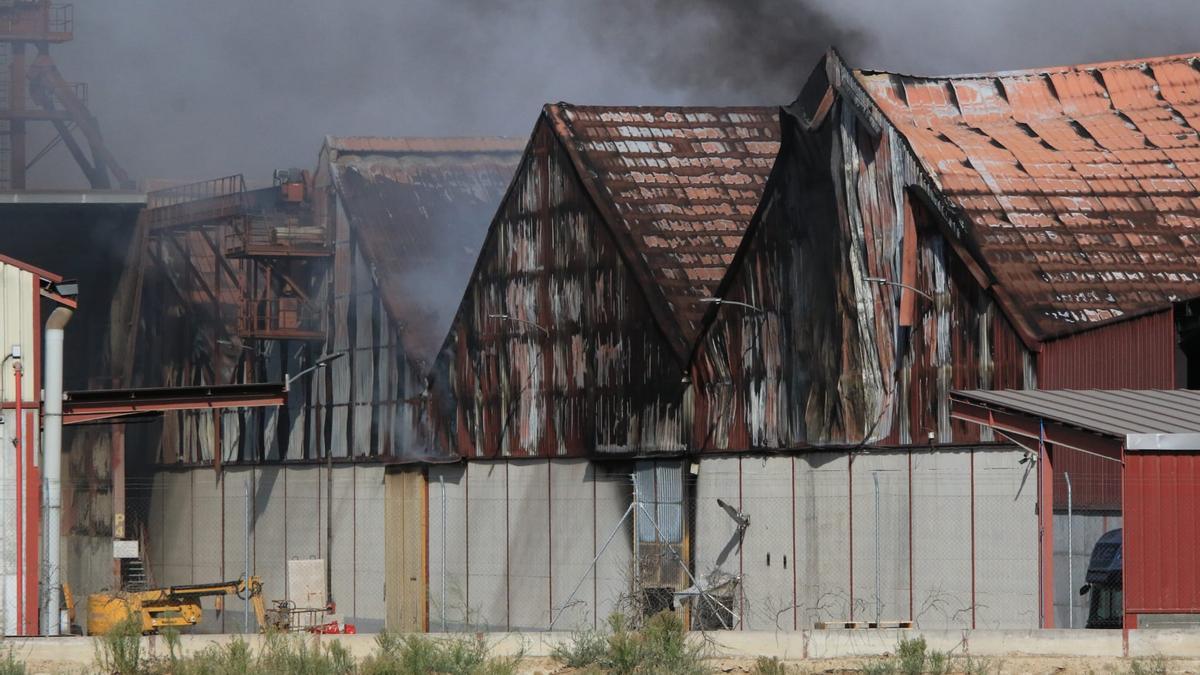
x,y
678,186
1080,184
420,208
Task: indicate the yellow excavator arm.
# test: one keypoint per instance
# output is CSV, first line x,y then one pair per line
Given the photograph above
x,y
171,606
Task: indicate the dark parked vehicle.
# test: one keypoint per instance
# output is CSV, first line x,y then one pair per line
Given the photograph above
x,y
1104,583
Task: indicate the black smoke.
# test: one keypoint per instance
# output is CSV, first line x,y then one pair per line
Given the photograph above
x,y
187,89
720,51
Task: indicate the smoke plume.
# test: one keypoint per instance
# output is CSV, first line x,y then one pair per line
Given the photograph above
x,y
186,89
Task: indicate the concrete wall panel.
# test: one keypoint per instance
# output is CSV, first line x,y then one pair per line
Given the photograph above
x,y
573,543
529,544
342,546
235,479
822,537
768,557
613,488
370,606
881,536
1006,541
270,531
305,537
447,548
179,530
207,562
941,516
487,555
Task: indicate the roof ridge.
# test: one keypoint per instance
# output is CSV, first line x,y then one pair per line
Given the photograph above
x,y
660,307
1040,70
677,186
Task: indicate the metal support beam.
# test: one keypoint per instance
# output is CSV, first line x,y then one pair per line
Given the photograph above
x,y
89,406
45,74
1034,428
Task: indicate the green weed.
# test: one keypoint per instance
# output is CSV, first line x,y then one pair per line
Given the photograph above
x,y
9,665
413,654
585,648
772,666
1156,665
120,651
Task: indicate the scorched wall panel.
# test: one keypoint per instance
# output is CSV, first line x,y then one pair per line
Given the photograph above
x,y
554,351
820,354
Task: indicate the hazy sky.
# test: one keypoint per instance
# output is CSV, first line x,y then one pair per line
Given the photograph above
x,y
200,88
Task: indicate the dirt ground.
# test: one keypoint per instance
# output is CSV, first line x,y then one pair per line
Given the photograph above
x,y
1011,665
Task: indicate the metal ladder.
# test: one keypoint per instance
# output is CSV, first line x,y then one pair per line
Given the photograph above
x,y
133,575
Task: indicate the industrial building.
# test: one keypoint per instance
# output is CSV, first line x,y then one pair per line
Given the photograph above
x,y
334,281
771,367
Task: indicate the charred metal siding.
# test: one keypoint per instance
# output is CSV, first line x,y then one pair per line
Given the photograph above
x,y
1134,354
822,359
554,351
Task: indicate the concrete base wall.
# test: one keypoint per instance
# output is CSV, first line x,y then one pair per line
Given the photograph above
x,y
944,538
197,526
1099,647
511,545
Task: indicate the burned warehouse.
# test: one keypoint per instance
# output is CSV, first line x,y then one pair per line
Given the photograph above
x,y
909,356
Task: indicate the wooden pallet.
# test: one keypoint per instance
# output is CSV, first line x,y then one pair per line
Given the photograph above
x,y
836,625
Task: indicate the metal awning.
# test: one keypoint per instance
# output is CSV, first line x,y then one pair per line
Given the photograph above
x,y
1138,419
89,406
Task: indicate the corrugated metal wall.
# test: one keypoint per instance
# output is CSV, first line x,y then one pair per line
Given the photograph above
x,y
579,365
823,357
1134,354
20,327
1161,534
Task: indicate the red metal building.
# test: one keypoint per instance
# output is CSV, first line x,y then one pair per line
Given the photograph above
x,y
1154,438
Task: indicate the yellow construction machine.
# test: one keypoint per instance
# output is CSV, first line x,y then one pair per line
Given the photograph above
x,y
172,606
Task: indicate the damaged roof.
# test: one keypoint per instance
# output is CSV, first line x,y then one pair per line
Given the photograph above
x,y
681,184
420,208
1081,184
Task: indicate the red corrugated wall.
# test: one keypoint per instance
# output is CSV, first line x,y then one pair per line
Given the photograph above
x,y
1134,354
1161,533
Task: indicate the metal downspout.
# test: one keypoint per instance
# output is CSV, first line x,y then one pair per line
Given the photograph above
x,y
52,446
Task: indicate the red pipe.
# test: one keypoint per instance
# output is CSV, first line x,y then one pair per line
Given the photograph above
x,y
20,489
33,524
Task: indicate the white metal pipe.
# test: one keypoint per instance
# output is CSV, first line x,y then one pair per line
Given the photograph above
x,y
1070,556
52,384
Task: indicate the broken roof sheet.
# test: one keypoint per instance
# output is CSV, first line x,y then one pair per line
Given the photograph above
x,y
682,183
420,208
1081,183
